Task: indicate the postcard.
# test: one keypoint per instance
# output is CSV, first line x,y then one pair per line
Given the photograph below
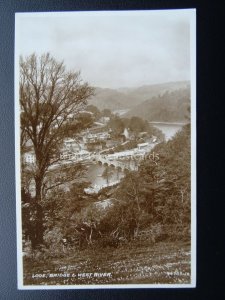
x,y
105,132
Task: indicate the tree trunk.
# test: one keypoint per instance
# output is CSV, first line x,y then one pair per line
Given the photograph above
x,y
137,201
37,238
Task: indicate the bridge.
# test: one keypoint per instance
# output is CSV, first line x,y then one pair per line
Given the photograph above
x,y
116,163
126,160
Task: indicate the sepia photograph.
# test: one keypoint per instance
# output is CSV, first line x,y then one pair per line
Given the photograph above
x,y
105,134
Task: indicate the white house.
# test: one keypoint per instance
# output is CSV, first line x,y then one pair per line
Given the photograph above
x,y
142,146
29,157
71,144
126,133
104,120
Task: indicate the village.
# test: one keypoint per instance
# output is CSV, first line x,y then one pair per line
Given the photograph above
x,y
105,127
98,144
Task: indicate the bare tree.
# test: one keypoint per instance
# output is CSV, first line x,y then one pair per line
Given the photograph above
x,y
49,97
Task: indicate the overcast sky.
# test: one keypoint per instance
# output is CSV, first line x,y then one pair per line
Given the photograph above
x,y
112,49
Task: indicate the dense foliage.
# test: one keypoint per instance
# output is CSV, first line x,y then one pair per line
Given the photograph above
x,y
167,107
127,98
135,125
157,196
49,97
154,199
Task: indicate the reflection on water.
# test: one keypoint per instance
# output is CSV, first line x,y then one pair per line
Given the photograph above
x,y
95,171
169,130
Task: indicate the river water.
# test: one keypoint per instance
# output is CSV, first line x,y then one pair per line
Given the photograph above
x,y
169,129
95,171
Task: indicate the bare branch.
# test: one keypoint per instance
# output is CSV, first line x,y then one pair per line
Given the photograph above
x,y
48,96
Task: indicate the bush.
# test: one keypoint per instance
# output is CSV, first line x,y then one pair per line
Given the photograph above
x,y
53,237
108,241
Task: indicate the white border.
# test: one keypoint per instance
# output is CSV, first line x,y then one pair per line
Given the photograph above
x,y
193,148
17,161
21,286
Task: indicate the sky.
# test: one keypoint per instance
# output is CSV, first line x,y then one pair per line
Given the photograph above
x,y
112,49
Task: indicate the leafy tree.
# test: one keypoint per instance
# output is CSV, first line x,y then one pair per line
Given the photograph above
x,y
168,107
137,125
173,200
49,97
126,122
94,110
106,112
83,121
65,213
120,221
116,125
158,193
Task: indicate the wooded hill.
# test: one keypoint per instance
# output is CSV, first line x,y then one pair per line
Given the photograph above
x,y
125,98
157,196
169,107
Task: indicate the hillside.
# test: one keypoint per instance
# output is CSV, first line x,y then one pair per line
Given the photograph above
x,y
123,98
169,107
109,99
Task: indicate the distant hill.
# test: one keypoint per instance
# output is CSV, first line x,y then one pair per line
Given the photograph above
x,y
124,98
170,107
109,98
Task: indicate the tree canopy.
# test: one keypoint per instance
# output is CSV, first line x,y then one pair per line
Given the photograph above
x,y
157,194
50,97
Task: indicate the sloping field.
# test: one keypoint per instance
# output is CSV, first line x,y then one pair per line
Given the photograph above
x,y
135,263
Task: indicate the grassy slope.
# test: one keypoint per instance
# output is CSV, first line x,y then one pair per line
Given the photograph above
x,y
136,263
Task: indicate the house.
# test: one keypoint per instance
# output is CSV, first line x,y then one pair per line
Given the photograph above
x,y
66,155
86,112
29,157
90,138
103,136
154,139
125,135
94,138
143,146
71,144
104,120
77,156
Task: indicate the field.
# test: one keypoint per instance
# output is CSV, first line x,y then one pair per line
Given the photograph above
x,y
135,263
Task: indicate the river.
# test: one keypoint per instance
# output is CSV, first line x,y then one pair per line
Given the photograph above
x,y
94,174
95,171
169,129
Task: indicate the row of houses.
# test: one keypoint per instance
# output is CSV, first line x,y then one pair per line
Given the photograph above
x,y
82,154
97,137
140,151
